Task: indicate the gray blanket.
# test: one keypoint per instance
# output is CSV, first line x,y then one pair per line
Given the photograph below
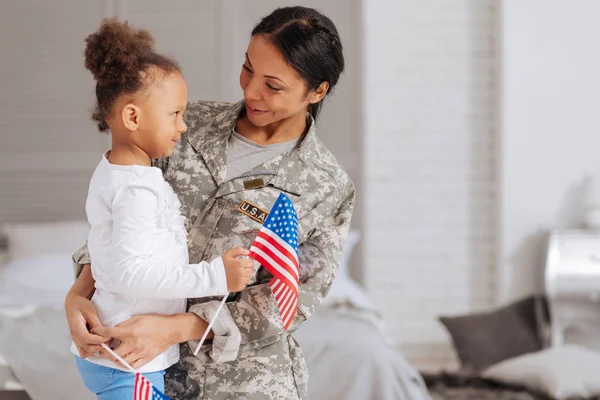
x,y
349,357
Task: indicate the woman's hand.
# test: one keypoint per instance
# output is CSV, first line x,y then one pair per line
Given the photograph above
x,y
82,314
143,337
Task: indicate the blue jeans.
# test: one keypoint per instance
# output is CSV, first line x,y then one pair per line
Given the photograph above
x,y
111,383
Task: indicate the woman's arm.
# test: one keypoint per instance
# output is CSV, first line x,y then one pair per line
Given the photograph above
x,y
81,314
84,284
143,337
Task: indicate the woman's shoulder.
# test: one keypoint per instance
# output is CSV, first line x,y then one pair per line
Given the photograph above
x,y
323,159
215,107
199,111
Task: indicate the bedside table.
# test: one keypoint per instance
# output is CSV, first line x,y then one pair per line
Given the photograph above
x,y
572,281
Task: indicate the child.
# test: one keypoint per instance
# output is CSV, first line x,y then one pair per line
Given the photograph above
x,y
137,239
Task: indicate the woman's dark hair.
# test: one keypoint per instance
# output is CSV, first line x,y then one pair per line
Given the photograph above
x,y
309,42
118,55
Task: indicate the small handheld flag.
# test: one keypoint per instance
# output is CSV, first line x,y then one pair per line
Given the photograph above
x,y
276,249
142,389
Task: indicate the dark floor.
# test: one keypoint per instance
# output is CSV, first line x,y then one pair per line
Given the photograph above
x,y
13,395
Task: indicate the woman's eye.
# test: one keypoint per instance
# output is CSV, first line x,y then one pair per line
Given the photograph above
x,y
246,68
273,88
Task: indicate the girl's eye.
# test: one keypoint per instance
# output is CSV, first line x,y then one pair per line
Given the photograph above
x,y
246,68
176,113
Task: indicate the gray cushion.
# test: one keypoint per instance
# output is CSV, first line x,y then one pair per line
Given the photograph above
x,y
486,338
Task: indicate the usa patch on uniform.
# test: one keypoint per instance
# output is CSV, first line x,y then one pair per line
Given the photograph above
x,y
254,212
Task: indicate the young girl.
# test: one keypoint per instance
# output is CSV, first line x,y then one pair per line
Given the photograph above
x,y
137,237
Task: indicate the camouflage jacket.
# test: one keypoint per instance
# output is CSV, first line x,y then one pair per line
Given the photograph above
x,y
251,355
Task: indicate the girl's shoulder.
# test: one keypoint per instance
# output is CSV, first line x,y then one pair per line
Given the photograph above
x,y
138,180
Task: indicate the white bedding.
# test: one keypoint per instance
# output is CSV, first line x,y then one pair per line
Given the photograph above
x,y
36,346
349,355
8,380
36,271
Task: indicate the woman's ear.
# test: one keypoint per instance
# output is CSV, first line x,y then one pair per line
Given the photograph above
x,y
318,94
130,116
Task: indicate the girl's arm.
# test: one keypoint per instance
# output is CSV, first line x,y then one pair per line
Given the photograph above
x,y
133,268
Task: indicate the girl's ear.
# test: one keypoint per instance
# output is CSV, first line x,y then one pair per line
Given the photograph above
x,y
130,116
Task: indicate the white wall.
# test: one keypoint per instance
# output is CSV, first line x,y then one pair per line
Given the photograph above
x,y
429,165
550,129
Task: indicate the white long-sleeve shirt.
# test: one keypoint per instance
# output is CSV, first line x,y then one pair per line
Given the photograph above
x,y
138,246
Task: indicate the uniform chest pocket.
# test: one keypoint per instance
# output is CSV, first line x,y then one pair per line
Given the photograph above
x,y
243,221
243,228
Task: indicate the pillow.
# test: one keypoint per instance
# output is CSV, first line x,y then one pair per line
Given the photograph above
x,y
484,339
30,239
349,245
37,280
558,372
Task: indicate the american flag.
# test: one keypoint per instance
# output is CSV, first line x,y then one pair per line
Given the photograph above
x,y
276,249
143,389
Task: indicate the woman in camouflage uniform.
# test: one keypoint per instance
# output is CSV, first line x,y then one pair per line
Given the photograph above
x,y
228,170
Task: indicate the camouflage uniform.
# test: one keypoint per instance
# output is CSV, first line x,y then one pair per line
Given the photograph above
x,y
251,355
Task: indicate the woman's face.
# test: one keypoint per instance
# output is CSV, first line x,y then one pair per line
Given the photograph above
x,y
273,90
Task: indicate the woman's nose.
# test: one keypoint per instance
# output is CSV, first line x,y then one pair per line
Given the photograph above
x,y
252,90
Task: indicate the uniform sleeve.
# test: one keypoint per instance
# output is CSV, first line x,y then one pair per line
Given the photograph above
x,y
134,270
80,258
253,319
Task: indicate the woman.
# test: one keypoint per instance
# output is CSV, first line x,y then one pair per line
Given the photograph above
x,y
228,170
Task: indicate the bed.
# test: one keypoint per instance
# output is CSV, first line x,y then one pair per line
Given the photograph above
x,y
350,356
348,352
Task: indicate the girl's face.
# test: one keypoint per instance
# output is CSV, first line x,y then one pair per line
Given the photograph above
x,y
273,90
161,116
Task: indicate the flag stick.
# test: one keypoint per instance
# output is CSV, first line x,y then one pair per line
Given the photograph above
x,y
115,355
210,324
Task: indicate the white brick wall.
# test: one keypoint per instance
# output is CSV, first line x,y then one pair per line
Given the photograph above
x,y
429,165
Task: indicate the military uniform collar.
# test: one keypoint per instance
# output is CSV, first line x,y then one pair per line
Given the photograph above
x,y
211,142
